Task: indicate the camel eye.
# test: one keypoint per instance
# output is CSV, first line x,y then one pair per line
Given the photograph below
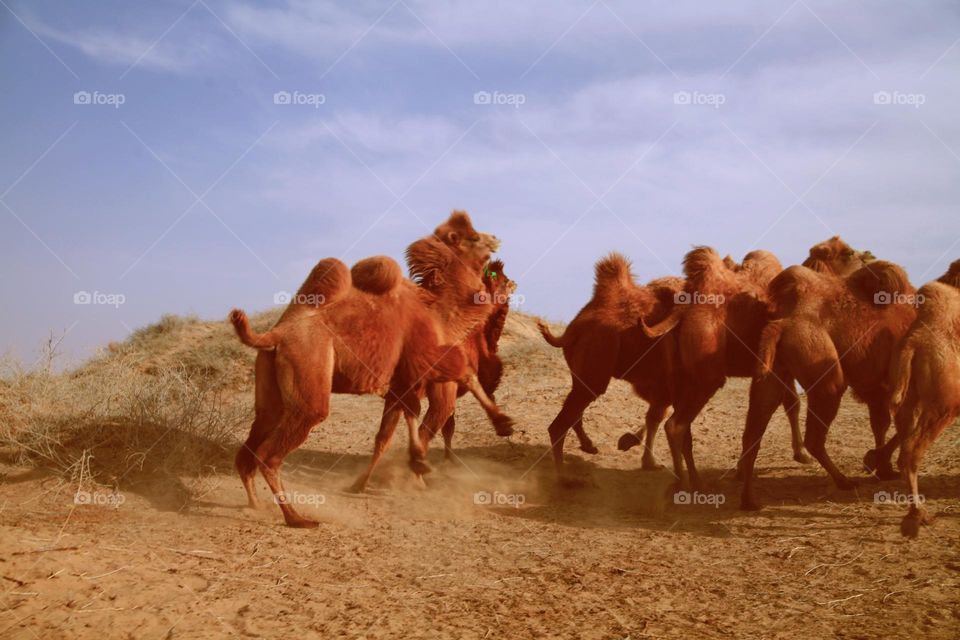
x,y
474,238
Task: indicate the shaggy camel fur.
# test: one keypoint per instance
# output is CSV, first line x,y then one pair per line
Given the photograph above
x,y
718,336
604,341
452,287
364,330
828,333
925,383
480,349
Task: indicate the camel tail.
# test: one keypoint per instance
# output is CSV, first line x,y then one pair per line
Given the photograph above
x,y
262,341
552,340
769,339
664,326
900,373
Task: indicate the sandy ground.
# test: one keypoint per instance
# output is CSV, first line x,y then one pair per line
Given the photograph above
x,y
615,559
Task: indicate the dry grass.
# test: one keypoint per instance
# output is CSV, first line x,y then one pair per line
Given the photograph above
x,y
160,405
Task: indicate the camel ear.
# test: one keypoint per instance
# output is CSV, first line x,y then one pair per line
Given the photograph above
x,y
452,238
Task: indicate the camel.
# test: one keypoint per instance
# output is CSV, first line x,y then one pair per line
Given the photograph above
x,y
480,349
366,330
718,335
604,341
828,333
431,274
925,383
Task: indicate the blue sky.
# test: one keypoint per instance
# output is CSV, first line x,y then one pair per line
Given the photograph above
x,y
639,127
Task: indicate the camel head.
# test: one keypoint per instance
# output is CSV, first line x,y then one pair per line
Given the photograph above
x,y
497,283
472,247
837,257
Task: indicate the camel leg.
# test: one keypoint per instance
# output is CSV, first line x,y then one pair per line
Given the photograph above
x,y
246,459
791,406
418,452
680,433
655,414
913,450
766,394
571,412
629,440
290,433
502,423
449,427
823,403
269,411
586,444
877,460
388,424
442,401
675,440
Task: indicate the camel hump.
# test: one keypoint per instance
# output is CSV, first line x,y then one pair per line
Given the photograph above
x,y
938,301
762,266
328,281
952,276
700,260
612,272
377,275
785,289
880,282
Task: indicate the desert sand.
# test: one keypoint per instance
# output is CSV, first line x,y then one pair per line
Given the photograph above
x,y
492,547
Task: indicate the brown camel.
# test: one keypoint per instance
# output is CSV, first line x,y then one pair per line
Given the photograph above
x,y
828,333
480,350
718,335
363,330
604,341
925,383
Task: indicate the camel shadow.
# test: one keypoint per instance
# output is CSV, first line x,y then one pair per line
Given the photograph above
x,y
517,480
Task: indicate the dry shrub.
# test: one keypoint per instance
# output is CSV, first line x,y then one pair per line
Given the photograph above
x,y
135,414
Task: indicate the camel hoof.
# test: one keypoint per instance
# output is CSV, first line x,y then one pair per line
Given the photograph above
x,y
802,457
571,482
628,441
911,523
588,447
650,464
887,472
302,523
357,487
845,483
871,461
420,467
503,425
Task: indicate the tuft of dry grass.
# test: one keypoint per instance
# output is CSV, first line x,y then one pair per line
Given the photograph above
x,y
161,405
